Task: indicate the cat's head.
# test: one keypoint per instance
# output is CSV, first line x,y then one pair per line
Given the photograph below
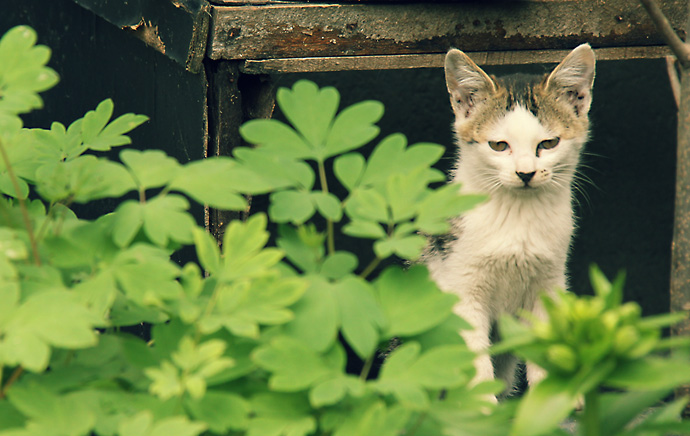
x,y
520,132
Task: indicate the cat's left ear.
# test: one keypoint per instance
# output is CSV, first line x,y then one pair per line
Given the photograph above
x,y
573,78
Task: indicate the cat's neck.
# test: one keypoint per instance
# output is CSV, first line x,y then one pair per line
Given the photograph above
x,y
537,224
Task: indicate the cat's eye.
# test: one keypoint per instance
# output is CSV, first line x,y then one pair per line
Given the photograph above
x,y
499,145
548,144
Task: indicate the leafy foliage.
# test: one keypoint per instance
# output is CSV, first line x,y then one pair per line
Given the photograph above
x,y
253,338
588,343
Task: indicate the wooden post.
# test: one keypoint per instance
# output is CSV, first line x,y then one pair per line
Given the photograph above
x,y
233,98
680,251
680,256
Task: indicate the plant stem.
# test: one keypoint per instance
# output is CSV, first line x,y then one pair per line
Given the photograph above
x,y
370,268
420,419
22,205
330,233
366,368
589,424
10,381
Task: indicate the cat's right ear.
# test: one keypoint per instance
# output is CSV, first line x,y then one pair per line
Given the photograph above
x,y
467,84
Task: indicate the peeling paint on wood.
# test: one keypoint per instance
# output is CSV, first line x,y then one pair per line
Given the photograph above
x,y
311,30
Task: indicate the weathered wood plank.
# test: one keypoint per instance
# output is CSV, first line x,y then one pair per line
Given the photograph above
x,y
322,30
401,62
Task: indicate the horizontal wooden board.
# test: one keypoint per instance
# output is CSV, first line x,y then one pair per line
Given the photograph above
x,y
401,62
289,30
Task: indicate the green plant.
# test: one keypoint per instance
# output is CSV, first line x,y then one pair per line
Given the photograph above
x,y
255,343
252,346
587,343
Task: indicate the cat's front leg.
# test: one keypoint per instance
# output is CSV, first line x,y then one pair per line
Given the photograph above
x,y
535,373
477,339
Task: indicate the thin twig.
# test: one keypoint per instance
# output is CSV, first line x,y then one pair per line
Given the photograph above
x,y
10,381
679,48
673,78
22,205
370,268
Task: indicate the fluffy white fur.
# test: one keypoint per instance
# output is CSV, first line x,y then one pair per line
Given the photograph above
x,y
514,246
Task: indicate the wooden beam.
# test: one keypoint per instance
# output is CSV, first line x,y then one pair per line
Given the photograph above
x,y
301,30
401,62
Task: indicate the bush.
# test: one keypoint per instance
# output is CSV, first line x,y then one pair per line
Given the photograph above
x,y
252,339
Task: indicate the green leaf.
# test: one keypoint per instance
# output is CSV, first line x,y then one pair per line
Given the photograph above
x,y
364,229
243,252
291,206
650,373
360,316
303,247
370,418
407,247
221,411
334,390
95,134
277,137
444,203
349,168
83,179
354,127
50,413
403,192
95,120
80,244
619,409
295,366
147,275
128,219
8,187
165,219
544,407
367,205
142,424
406,373
411,301
150,168
317,316
276,170
281,415
207,250
391,156
24,71
45,319
445,333
113,134
328,205
339,264
10,417
310,110
242,307
218,181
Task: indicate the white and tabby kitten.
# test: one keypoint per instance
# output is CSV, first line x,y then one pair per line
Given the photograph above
x,y
519,140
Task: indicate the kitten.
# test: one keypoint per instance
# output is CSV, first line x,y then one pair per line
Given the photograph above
x,y
519,140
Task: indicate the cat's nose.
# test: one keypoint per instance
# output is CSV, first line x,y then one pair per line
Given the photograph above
x,y
526,177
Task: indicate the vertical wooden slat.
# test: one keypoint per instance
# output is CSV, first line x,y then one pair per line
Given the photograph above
x,y
233,98
680,254
224,118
